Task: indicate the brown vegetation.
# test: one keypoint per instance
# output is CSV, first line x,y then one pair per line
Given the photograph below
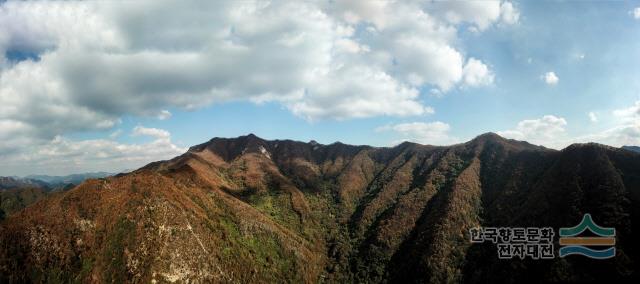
x,y
249,210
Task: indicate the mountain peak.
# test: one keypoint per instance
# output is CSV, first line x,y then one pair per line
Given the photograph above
x,y
489,136
493,138
252,136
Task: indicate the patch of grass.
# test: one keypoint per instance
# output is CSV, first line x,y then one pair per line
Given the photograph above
x,y
277,205
123,233
85,271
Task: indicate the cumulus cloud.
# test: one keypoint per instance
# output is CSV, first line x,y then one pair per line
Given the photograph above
x,y
636,13
481,14
430,133
508,13
153,132
625,132
548,131
62,155
631,113
550,78
626,129
116,61
91,63
477,73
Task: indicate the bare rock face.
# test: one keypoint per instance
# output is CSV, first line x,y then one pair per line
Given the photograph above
x,y
252,210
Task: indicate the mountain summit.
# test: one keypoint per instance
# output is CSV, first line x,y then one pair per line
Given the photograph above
x,y
252,210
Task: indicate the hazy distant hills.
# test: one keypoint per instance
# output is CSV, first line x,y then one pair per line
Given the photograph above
x,y
17,193
251,210
632,148
49,182
16,182
54,181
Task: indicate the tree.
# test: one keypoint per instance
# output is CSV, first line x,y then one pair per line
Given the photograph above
x,y
2,215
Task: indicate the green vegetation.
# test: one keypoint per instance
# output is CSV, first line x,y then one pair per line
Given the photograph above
x,y
123,233
262,253
87,267
277,205
14,200
294,217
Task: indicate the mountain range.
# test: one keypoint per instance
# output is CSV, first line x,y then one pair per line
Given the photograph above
x,y
74,179
16,182
632,148
48,182
17,193
251,210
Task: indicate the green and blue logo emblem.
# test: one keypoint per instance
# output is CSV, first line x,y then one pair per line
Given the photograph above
x,y
573,244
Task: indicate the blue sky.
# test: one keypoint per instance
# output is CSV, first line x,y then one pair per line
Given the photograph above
x,y
104,86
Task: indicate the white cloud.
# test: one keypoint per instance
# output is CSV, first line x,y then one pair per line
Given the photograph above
x,y
626,129
164,115
479,13
115,134
430,133
153,132
508,13
624,134
63,156
112,62
636,13
548,131
550,78
477,73
631,113
385,97
95,62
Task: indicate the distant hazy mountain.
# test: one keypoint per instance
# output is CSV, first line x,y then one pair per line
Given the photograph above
x,y
48,182
17,193
17,182
74,179
248,210
632,148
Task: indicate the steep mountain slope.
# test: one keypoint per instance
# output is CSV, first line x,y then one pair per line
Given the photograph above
x,y
251,210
